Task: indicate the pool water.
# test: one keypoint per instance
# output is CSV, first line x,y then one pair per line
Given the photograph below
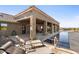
x,y
63,40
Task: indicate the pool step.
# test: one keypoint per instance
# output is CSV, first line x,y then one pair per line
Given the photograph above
x,y
34,44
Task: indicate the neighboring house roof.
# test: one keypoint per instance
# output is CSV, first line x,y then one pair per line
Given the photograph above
x,y
6,18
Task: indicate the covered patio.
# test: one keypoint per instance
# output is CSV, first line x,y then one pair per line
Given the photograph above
x,y
35,28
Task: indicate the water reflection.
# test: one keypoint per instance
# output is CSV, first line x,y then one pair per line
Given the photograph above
x,y
63,40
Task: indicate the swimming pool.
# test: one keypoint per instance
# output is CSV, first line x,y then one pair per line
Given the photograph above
x,y
63,40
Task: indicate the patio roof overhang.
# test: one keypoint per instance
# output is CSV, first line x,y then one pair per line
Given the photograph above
x,y
22,19
33,8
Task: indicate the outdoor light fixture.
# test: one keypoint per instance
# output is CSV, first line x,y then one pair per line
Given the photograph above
x,y
31,28
41,27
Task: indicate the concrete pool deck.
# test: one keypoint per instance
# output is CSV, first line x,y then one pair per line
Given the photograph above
x,y
74,41
49,48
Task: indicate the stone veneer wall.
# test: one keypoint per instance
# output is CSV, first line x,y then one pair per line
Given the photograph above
x,y
10,28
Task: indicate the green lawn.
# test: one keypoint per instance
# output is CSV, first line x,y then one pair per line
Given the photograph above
x,y
3,28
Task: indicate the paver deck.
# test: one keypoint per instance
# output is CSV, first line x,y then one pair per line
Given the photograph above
x,y
49,49
74,41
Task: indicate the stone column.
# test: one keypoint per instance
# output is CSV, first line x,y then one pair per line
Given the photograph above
x,y
45,27
32,27
52,28
55,28
58,28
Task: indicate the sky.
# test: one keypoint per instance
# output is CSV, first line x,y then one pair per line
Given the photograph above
x,y
66,15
